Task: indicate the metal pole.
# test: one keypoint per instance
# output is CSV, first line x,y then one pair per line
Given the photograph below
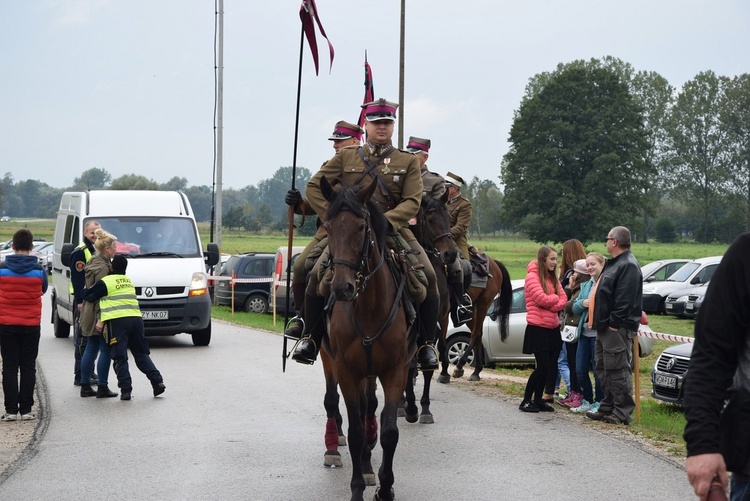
x,y
401,79
219,123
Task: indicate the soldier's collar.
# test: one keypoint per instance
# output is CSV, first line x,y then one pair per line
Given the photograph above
x,y
451,200
377,149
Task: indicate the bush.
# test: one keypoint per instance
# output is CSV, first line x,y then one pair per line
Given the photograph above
x,y
665,230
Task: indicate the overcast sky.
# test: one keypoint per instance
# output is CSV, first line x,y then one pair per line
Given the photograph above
x,y
128,85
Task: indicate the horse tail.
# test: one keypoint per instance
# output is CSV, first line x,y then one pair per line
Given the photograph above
x,y
504,301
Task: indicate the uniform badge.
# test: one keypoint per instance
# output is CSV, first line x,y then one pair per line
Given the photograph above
x,y
386,169
396,178
80,265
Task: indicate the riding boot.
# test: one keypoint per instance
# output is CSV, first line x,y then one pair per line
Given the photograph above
x,y
461,307
296,325
308,346
428,316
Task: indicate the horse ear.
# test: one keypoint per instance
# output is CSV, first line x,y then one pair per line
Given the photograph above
x,y
444,197
364,194
326,188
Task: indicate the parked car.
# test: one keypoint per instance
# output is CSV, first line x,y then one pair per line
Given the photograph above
x,y
249,296
5,219
696,272
669,373
8,247
280,267
694,302
44,253
657,271
676,303
457,338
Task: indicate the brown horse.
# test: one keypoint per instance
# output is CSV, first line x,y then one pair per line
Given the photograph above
x,y
499,281
368,335
433,232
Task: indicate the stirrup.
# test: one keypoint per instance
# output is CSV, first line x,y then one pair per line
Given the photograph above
x,y
437,359
303,358
464,314
466,301
292,324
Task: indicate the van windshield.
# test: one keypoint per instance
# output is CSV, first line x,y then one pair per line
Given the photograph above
x,y
153,236
683,273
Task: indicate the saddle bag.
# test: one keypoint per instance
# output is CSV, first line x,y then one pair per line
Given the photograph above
x,y
314,254
480,263
416,279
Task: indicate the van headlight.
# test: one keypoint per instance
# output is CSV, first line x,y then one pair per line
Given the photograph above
x,y
199,284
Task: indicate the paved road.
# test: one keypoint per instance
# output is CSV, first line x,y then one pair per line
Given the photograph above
x,y
232,426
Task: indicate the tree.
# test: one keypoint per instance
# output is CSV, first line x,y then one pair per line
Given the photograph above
x,y
577,163
699,143
133,182
271,191
92,179
486,201
175,184
735,115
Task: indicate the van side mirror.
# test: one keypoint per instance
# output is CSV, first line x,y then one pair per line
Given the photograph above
x,y
695,280
211,255
67,250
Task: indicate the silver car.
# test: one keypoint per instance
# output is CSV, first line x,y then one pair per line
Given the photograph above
x,y
457,338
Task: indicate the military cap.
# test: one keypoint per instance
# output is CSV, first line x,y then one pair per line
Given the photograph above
x,y
380,110
345,130
418,145
452,178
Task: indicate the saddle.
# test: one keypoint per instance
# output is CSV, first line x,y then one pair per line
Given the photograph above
x,y
480,267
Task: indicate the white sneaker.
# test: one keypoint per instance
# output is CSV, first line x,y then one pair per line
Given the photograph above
x,y
594,407
585,406
9,417
28,417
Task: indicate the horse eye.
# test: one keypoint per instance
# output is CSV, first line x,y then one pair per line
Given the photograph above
x,y
362,227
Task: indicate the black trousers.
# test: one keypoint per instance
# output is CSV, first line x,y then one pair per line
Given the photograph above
x,y
19,346
546,363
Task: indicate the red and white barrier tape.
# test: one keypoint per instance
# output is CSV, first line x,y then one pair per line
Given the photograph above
x,y
224,278
666,337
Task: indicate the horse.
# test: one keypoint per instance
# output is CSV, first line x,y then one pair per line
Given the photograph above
x,y
368,333
498,281
433,232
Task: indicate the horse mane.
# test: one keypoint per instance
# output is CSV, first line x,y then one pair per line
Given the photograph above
x,y
345,198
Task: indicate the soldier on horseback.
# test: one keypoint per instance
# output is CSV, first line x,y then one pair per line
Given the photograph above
x,y
399,193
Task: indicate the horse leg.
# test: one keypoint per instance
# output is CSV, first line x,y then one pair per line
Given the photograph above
x,y
333,435
478,362
410,407
371,431
480,311
393,384
444,377
425,417
354,398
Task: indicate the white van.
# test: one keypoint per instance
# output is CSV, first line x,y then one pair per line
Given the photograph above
x,y
171,282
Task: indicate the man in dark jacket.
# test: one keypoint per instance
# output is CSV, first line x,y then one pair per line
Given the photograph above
x,y
78,259
720,360
23,282
617,315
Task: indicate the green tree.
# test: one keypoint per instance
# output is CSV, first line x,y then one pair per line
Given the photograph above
x,y
92,179
735,115
577,163
175,184
699,143
486,200
665,230
133,182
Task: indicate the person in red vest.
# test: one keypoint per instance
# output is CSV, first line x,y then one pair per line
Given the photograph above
x,y
23,282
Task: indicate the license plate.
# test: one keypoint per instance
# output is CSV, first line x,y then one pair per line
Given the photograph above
x,y
668,306
155,315
689,307
665,381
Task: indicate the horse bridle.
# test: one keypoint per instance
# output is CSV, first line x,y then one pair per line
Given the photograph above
x,y
433,239
368,247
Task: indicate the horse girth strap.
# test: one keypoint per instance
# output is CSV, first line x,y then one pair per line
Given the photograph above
x,y
384,190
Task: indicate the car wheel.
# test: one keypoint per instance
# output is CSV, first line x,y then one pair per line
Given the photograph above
x,y
202,337
256,304
60,327
456,347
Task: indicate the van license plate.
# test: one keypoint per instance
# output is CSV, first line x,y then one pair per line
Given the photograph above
x,y
155,315
665,381
690,307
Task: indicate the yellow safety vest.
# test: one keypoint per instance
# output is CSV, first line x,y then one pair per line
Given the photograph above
x,y
86,256
120,300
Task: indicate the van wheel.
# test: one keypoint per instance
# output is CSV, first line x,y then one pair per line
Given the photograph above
x,y
61,327
256,304
202,337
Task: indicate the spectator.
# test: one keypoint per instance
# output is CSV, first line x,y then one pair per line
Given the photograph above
x,y
545,298
96,269
23,282
121,317
720,368
587,336
572,319
617,315
78,259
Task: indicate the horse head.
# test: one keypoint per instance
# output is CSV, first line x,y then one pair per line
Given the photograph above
x,y
351,240
436,229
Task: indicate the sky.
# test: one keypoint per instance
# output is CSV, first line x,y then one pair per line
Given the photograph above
x,y
129,86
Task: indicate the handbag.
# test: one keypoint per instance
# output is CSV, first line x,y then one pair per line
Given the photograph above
x,y
569,333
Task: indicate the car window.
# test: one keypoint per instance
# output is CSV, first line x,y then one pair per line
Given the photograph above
x,y
257,267
671,268
706,273
684,273
519,301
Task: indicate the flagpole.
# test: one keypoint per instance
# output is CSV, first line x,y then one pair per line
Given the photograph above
x,y
401,79
291,209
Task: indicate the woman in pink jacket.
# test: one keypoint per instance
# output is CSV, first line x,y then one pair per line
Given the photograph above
x,y
545,298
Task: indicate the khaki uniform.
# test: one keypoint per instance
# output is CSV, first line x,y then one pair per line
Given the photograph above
x,y
433,185
459,209
402,177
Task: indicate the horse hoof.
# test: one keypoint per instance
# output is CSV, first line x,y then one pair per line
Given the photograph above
x,y
426,419
377,497
332,459
369,478
411,418
457,373
474,377
444,378
342,440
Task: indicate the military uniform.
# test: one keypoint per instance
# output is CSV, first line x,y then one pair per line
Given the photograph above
x,y
433,185
459,209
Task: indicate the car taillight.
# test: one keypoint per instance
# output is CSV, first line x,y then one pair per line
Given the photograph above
x,y
279,266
